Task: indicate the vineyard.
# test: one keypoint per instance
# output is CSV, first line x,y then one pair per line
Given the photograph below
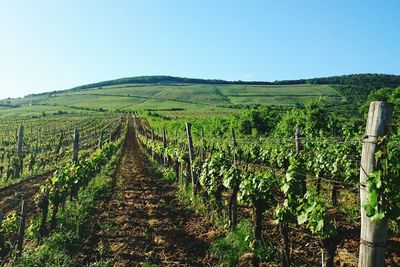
x,y
301,183
42,164
288,186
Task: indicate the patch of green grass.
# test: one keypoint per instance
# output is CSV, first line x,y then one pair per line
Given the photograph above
x,y
234,244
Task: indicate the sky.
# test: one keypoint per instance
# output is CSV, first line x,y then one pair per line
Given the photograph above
x,y
48,45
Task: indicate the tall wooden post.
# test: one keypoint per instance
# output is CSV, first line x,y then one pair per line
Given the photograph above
x,y
373,237
19,169
164,138
21,229
56,205
76,146
297,140
234,145
1,236
153,139
203,148
60,143
191,156
165,145
233,200
44,206
101,139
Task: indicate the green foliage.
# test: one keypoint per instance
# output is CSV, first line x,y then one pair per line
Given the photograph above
x,y
10,223
383,185
314,213
75,223
260,119
258,187
77,174
292,188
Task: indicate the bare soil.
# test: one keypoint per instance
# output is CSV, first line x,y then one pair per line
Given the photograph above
x,y
144,224
11,196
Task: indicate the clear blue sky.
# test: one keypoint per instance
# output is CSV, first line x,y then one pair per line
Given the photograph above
x,y
51,45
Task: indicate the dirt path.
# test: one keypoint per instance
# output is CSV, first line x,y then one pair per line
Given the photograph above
x,y
144,224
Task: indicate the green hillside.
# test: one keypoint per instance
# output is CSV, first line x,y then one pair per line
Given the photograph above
x,y
197,95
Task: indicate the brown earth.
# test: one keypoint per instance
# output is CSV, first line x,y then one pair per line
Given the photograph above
x,y
11,196
144,223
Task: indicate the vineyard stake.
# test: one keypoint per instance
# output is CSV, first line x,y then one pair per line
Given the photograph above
x,y
21,229
297,140
191,156
203,150
153,139
165,145
60,143
101,139
233,200
1,237
44,205
19,168
76,146
56,203
373,236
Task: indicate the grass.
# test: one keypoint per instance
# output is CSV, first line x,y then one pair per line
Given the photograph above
x,y
236,243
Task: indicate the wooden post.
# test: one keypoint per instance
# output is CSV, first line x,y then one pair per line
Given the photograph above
x,y
44,206
19,169
203,149
297,140
76,146
234,145
60,143
373,237
21,229
56,204
165,145
1,236
153,139
191,156
233,200
101,139
165,138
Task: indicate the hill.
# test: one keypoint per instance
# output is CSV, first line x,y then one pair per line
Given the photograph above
x,y
175,93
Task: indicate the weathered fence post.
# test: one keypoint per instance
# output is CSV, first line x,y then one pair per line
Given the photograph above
x,y
203,149
233,200
153,140
297,140
19,169
60,143
74,187
76,146
373,236
1,236
56,205
44,206
191,156
21,229
101,139
165,146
